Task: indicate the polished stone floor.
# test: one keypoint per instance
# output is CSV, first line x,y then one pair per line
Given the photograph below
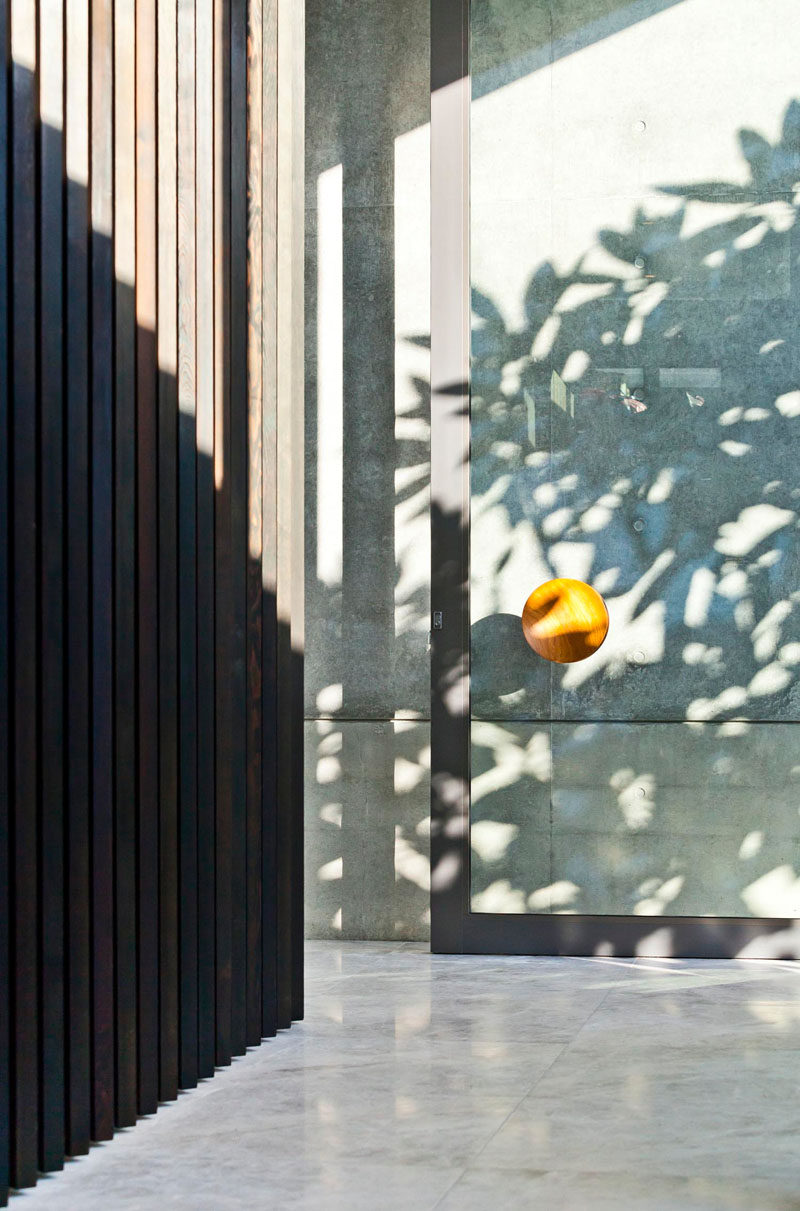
x,y
484,1084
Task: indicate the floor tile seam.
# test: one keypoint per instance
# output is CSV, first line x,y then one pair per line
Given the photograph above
x,y
440,1201
576,1035
519,1102
748,1180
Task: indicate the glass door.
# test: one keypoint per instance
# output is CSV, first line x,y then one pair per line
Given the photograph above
x,y
616,405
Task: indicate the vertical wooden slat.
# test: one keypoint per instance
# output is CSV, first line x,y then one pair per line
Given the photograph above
x,y
237,201
289,492
51,237
295,438
168,522
102,461
77,478
204,134
283,730
125,706
269,554
150,1086
25,913
255,284
222,532
5,513
187,535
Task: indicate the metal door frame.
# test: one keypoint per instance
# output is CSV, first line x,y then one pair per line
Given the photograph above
x,y
454,928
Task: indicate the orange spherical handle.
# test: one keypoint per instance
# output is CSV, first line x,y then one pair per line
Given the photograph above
x,y
565,620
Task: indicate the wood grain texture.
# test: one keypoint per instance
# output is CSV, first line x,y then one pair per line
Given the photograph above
x,y
254,655
5,703
294,125
269,516
565,620
187,534
206,714
289,592
77,482
238,439
102,657
25,653
151,1086
51,347
284,524
168,706
223,607
125,638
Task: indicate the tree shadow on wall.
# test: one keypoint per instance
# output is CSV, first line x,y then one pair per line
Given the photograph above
x,y
367,474
639,431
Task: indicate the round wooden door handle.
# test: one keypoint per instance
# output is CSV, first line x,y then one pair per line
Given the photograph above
x,y
565,620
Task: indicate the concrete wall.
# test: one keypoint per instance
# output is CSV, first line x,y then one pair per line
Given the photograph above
x,y
367,427
634,219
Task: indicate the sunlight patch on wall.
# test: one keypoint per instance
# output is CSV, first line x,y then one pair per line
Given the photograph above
x,y
329,699
412,378
499,896
658,896
330,376
330,871
511,759
751,845
409,863
556,897
331,813
490,839
775,894
753,525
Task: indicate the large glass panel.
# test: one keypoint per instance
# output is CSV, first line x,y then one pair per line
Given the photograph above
x,y
635,171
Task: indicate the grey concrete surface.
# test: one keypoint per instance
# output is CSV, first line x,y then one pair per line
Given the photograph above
x,y
367,473
634,222
367,839
633,229
642,818
367,395
447,1083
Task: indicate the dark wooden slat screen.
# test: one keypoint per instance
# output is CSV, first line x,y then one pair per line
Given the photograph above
x,y
51,224
289,489
147,563
125,700
238,204
223,615
290,179
269,512
5,905
255,285
23,367
101,483
76,293
206,364
151,241
167,361
187,534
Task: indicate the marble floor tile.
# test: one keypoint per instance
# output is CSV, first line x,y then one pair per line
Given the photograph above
x,y
558,1191
456,1083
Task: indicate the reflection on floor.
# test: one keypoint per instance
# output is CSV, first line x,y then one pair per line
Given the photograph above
x,y
421,1082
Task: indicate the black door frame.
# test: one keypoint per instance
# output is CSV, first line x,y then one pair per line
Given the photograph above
x,y
454,928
